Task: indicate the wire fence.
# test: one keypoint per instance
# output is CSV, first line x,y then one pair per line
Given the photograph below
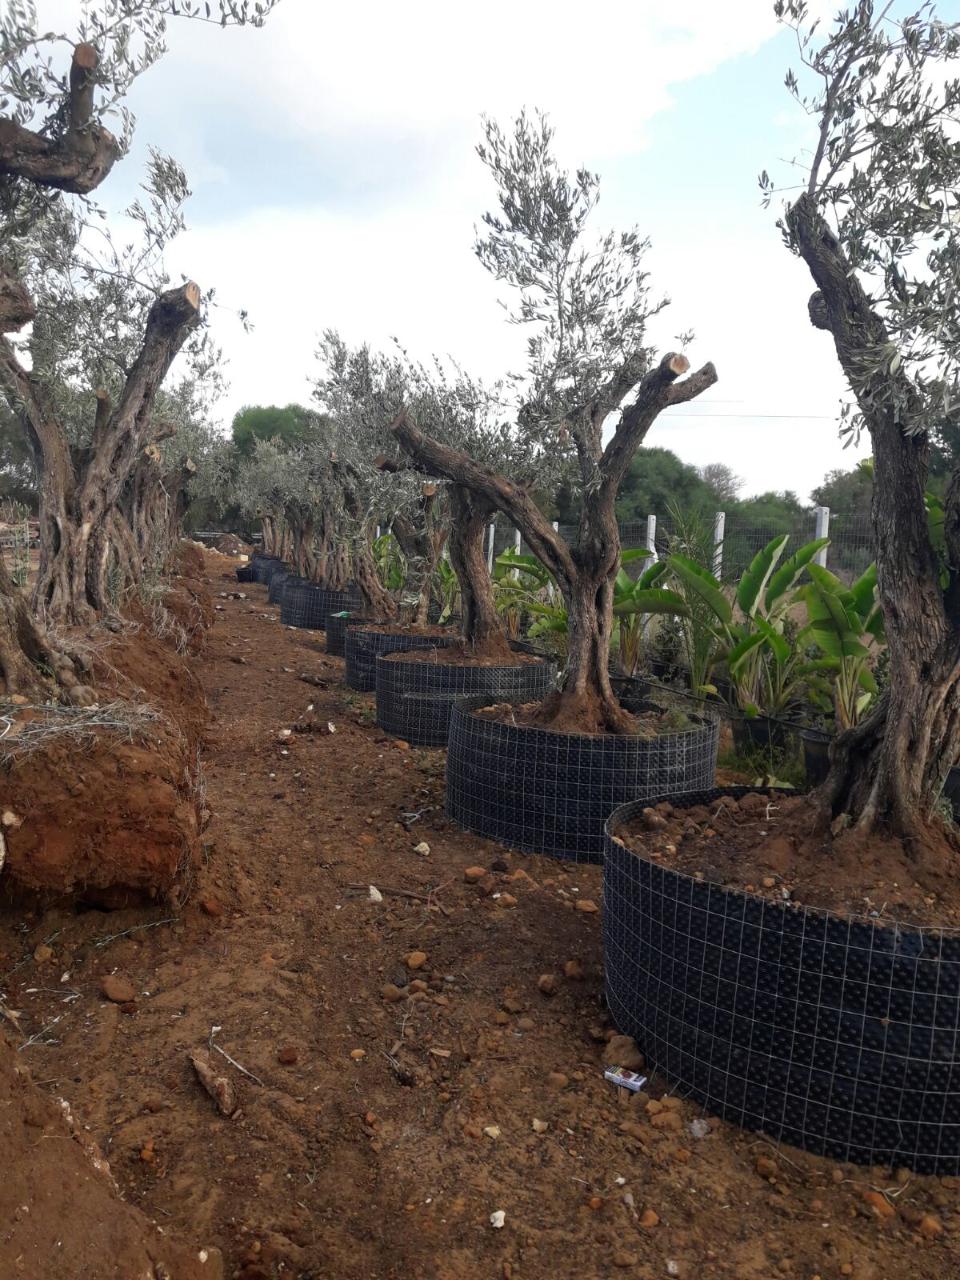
x,y
734,540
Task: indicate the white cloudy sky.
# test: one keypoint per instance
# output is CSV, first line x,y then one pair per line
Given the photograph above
x,y
335,184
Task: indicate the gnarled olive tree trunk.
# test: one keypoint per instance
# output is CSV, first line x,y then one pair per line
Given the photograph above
x,y
889,771
482,626
585,573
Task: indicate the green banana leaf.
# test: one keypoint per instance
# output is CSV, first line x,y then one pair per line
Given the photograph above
x,y
791,569
704,585
755,577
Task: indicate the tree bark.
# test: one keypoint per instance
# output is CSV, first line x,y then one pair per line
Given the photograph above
x,y
888,773
422,544
481,624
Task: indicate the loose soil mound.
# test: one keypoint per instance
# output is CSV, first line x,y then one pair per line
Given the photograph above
x,y
231,545
461,655
62,1216
767,844
396,1105
530,715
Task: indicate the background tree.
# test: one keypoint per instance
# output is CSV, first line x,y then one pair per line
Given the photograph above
x,y
657,479
876,226
721,480
291,425
54,143
587,304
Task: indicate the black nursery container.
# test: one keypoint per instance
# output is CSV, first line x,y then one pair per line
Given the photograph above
x,y
362,648
245,573
264,567
551,793
414,699
337,624
304,604
759,733
278,580
816,754
838,1035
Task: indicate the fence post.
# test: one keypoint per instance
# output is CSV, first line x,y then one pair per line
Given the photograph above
x,y
822,531
491,530
378,531
652,539
719,523
550,591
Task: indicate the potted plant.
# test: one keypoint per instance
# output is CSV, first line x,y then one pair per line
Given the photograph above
x,y
537,775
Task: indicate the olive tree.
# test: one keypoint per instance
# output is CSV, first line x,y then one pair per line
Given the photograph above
x,y
56,149
876,226
593,388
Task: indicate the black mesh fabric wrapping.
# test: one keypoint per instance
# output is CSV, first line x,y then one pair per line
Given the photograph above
x,y
337,624
839,1035
551,793
304,604
265,567
414,699
277,580
362,649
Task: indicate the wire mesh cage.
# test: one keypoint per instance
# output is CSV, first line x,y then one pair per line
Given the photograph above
x,y
264,567
414,699
305,604
337,624
277,580
551,793
363,647
839,1035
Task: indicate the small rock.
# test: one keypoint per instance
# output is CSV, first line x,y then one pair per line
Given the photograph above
x,y
652,820
557,1080
492,1131
506,900
10,819
649,1219
880,1205
288,1056
400,745
416,959
474,874
573,969
586,905
497,1219
118,989
699,1127
358,1054
539,1126
211,907
547,984
623,1259
392,993
43,953
766,1167
423,849
622,1051
930,1226
525,1024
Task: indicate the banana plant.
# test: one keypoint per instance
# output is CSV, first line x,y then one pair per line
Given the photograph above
x,y
846,625
526,585
769,670
446,588
389,561
634,601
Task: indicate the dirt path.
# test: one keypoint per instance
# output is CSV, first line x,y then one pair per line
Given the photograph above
x,y
394,1109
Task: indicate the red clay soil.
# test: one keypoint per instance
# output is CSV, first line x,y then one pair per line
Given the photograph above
x,y
769,844
421,1061
62,1216
405,629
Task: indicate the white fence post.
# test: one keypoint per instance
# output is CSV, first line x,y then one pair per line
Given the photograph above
x,y
652,538
378,531
491,530
719,523
550,589
822,531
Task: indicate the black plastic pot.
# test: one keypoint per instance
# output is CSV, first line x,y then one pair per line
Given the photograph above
x,y
245,573
414,699
264,567
816,754
838,1035
759,733
631,691
278,580
305,604
551,793
363,647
